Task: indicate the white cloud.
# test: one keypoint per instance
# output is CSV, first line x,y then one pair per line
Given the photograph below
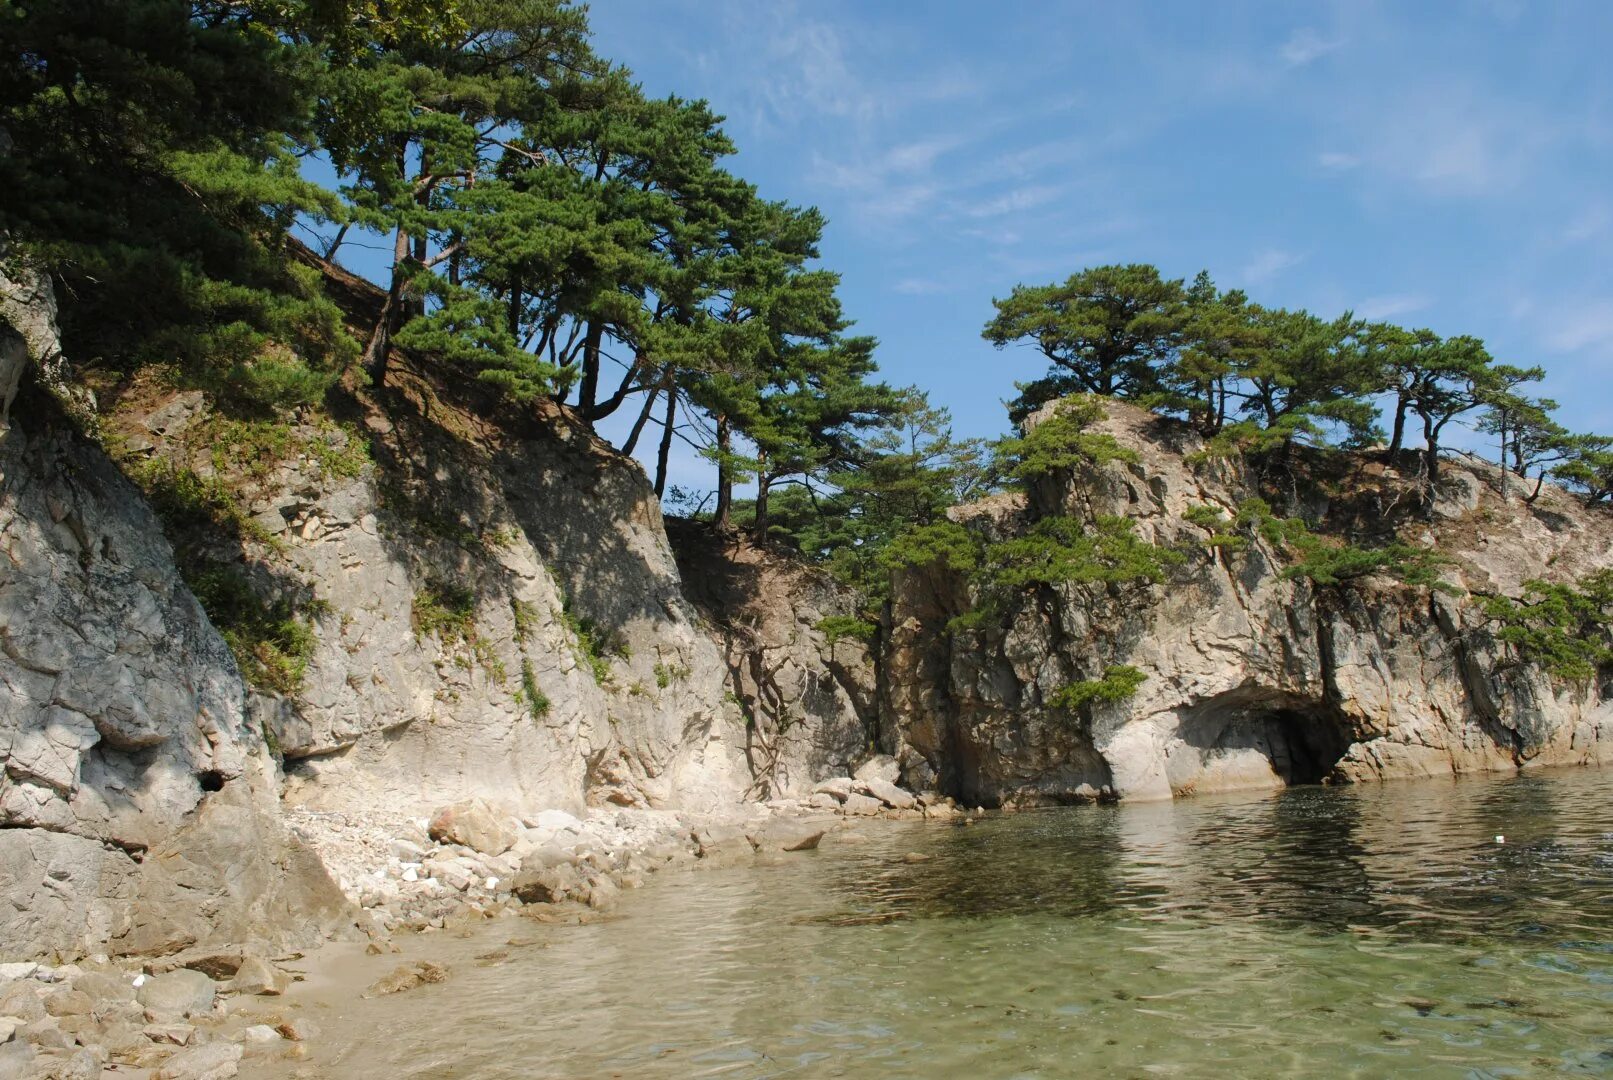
x,y
1591,223
1306,45
1015,200
1387,307
1335,159
1585,326
1267,264
1451,138
877,171
920,287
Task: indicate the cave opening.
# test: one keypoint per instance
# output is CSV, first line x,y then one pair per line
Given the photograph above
x,y
1307,744
1250,733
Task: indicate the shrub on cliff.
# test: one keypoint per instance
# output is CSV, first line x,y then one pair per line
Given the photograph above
x,y
1565,629
1119,682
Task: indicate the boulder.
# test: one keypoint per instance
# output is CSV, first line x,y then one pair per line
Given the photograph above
x,y
17,1061
887,793
260,1033
475,824
177,1034
541,884
723,844
298,1029
210,1061
837,787
258,976
789,834
178,993
879,767
862,806
407,977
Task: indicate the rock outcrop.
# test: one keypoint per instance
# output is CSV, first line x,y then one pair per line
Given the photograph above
x,y
138,803
1254,680
811,700
495,608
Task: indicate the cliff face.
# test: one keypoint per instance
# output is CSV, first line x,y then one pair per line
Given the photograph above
x,y
495,607
138,807
810,703
490,606
1254,681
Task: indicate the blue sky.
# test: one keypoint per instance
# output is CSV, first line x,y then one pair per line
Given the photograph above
x,y
1437,164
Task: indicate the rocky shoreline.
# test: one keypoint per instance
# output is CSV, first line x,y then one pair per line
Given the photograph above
x,y
202,1013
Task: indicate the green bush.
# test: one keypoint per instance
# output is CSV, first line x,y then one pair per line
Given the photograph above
x,y
595,644
945,543
1119,682
1061,443
444,611
1330,561
272,643
835,627
1565,629
537,702
667,674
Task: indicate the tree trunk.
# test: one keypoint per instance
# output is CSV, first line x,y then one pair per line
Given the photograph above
x,y
665,451
725,475
1502,461
643,418
380,343
1398,439
589,389
1431,453
762,482
336,242
515,311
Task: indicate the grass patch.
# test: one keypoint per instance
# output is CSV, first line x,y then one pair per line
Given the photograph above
x,y
272,643
535,700
447,612
666,674
596,645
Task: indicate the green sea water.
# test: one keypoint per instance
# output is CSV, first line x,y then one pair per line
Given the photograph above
x,y
1354,932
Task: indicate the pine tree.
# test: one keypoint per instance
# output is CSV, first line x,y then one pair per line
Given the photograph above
x,y
1107,330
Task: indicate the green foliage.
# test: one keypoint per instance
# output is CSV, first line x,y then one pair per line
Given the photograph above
x,y
448,612
536,701
595,644
1106,329
1214,521
525,618
1588,467
1060,550
836,627
255,449
1205,516
445,611
272,642
152,165
1119,682
1063,551
1330,561
1565,629
666,674
1061,443
193,506
943,543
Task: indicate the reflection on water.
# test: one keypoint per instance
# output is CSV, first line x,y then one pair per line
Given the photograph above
x,y
1376,931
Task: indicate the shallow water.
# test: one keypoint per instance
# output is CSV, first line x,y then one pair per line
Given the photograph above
x,y
1372,931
